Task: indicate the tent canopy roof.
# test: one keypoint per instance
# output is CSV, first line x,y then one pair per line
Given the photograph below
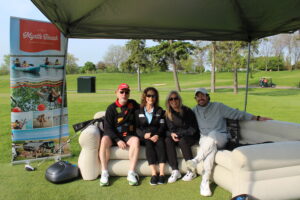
x,y
220,20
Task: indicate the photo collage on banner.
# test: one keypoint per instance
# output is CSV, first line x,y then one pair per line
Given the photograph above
x,y
39,120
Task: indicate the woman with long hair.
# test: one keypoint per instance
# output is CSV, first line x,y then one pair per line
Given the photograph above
x,y
150,127
182,130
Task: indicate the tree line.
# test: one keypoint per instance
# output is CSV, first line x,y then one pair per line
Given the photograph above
x,y
276,53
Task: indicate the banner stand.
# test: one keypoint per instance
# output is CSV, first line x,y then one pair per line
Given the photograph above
x,y
39,114
63,92
41,159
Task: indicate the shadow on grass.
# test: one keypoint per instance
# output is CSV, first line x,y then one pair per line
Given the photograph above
x,y
113,179
221,90
264,91
213,187
289,92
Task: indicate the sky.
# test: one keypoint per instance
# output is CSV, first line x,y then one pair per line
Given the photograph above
x,y
84,49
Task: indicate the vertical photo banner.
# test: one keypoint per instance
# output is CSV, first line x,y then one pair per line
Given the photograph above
x,y
39,115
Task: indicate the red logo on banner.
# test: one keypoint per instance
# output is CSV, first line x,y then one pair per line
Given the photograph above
x,y
38,36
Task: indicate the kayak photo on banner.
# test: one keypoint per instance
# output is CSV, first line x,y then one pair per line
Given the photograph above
x,y
39,114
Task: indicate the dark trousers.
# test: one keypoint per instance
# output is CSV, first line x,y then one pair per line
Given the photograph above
x,y
155,152
184,144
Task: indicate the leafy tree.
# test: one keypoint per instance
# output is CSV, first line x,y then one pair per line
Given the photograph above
x,y
205,52
158,60
232,56
138,57
72,67
275,63
89,67
199,69
101,66
170,53
127,66
188,65
4,68
295,50
116,55
111,68
265,52
286,46
297,65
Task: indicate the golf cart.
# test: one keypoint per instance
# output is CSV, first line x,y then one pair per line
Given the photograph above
x,y
266,82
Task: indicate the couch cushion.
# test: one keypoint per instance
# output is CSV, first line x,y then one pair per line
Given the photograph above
x,y
120,154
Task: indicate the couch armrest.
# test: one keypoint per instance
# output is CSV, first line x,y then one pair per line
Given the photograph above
x,y
88,160
99,114
267,156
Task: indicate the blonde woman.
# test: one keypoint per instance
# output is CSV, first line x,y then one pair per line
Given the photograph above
x,y
182,130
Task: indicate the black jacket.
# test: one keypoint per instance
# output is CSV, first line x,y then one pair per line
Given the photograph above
x,y
157,125
120,121
185,125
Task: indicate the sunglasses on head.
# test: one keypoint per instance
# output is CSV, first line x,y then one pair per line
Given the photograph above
x,y
122,92
151,95
173,99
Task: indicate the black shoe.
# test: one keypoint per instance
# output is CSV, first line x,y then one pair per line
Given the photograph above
x,y
153,180
161,180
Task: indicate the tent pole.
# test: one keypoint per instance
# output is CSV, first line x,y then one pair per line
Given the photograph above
x,y
247,76
63,95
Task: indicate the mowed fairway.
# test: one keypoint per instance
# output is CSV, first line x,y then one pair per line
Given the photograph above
x,y
16,183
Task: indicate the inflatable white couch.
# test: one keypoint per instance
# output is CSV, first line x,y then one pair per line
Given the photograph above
x,y
264,171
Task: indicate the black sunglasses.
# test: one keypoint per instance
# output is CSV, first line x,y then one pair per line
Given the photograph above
x,y
150,95
173,99
122,92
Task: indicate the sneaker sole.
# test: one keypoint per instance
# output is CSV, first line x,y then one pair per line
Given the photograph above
x,y
153,184
192,178
189,179
205,195
104,184
133,183
174,181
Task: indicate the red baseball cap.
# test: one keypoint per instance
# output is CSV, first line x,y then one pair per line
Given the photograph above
x,y
123,86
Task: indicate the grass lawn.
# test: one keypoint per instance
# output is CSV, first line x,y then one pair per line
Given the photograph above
x,y
16,183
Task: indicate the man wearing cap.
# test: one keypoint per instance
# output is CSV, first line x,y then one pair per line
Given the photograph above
x,y
119,129
211,118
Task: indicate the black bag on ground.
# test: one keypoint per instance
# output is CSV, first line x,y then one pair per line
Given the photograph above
x,y
61,172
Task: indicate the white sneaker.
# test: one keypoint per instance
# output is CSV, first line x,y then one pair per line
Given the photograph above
x,y
189,176
174,176
104,180
133,178
204,188
191,165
